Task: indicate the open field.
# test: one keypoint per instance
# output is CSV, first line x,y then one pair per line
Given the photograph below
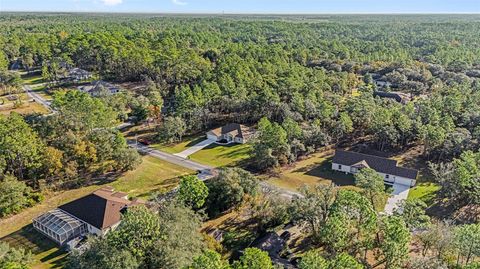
x,y
220,155
151,176
25,108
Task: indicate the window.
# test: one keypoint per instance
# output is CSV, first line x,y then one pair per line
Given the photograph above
x,y
387,176
340,167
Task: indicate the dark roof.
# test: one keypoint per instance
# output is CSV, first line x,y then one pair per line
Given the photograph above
x,y
237,130
398,96
379,164
100,209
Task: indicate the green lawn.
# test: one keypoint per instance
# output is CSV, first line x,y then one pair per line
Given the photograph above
x,y
223,155
179,147
32,78
46,253
317,169
151,176
424,191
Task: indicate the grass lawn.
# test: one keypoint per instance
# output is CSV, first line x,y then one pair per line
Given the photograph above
x,y
223,155
424,191
152,175
42,92
46,253
26,108
312,171
179,147
32,78
318,170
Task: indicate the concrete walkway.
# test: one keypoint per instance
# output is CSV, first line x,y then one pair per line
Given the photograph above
x,y
184,154
400,193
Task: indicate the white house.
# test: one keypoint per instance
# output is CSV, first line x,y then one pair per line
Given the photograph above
x,y
351,162
97,214
231,133
78,74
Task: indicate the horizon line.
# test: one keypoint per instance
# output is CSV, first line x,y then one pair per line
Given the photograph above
x,y
240,13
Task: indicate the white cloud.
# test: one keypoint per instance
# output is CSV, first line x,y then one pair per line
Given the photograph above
x,y
111,2
179,2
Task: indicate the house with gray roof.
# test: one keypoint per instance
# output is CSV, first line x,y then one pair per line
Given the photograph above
x,y
400,97
231,133
78,74
351,162
99,87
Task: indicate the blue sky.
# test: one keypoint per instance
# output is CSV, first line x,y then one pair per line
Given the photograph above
x,y
247,6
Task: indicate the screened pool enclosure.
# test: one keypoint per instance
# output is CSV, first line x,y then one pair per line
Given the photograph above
x,y
59,226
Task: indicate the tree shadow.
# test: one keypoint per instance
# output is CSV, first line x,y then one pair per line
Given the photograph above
x,y
31,240
323,169
195,141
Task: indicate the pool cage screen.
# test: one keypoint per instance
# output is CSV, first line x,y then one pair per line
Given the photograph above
x,y
59,226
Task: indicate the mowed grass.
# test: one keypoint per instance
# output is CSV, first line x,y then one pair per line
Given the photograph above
x,y
151,176
32,78
426,192
46,253
179,147
223,155
317,169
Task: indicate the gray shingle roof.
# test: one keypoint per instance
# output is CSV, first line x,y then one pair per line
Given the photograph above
x,y
379,164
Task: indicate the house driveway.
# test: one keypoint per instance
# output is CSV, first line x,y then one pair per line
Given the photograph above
x,y
400,193
205,143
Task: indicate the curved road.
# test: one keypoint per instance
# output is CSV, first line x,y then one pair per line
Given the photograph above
x,y
206,171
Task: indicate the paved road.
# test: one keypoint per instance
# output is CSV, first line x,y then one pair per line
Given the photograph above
x,y
206,171
39,99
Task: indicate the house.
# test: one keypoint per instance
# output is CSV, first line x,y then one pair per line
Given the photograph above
x,y
99,88
96,214
397,96
231,133
351,162
77,74
382,83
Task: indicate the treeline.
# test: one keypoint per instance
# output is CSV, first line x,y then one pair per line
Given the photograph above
x,y
211,70
75,144
306,82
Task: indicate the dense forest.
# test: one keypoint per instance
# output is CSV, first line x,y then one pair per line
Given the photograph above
x,y
304,82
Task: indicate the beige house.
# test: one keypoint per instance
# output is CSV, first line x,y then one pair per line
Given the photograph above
x,y
231,133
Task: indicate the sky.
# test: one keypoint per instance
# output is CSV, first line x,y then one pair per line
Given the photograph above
x,y
246,6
